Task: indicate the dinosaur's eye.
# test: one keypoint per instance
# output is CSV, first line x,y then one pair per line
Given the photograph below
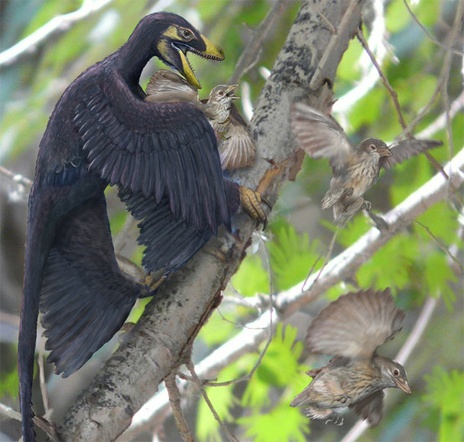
x,y
186,34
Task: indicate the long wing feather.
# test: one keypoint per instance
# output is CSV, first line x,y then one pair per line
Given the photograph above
x,y
355,324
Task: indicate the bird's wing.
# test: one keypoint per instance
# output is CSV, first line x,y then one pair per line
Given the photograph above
x,y
238,149
85,298
355,324
169,242
320,135
165,150
168,87
406,149
370,408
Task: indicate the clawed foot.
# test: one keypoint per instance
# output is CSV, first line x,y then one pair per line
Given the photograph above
x,y
251,203
151,283
335,419
367,206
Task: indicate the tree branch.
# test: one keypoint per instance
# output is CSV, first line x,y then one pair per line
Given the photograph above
x,y
57,25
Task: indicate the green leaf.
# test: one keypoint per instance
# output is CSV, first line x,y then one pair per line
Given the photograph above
x,y
292,256
283,347
251,278
445,392
281,423
9,384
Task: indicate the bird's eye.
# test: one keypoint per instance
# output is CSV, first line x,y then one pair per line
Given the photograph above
x,y
221,93
396,372
372,147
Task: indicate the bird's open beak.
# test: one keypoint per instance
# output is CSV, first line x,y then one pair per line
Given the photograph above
x,y
230,91
384,152
403,385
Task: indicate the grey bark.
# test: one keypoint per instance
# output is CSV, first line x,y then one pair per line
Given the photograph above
x,y
162,338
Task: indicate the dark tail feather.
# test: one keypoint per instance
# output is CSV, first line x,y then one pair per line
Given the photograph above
x,y
26,347
36,250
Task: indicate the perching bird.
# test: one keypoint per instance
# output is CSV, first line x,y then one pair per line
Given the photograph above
x,y
355,170
351,329
236,144
102,132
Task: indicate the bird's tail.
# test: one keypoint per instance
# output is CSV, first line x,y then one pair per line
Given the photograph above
x,y
33,273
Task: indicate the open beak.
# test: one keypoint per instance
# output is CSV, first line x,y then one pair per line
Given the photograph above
x,y
230,91
211,52
403,385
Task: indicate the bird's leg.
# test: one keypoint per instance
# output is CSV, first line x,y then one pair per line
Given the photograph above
x,y
355,206
250,201
378,220
380,223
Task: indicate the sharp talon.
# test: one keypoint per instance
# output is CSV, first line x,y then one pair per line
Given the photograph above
x,y
266,201
151,284
251,201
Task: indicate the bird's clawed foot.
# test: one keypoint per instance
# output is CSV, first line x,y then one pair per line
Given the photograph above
x,y
366,205
251,203
336,419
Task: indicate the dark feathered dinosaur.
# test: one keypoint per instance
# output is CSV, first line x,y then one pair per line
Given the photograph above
x,y
102,132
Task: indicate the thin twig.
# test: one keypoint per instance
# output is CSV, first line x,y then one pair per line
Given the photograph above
x,y
430,37
394,96
199,383
56,26
174,399
385,81
251,53
440,245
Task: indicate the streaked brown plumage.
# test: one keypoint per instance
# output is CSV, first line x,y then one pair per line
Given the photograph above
x,y
236,145
351,329
355,170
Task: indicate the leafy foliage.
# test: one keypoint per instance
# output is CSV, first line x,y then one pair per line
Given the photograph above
x,y
445,393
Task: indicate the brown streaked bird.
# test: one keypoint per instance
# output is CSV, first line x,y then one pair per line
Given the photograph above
x,y
355,169
236,144
351,329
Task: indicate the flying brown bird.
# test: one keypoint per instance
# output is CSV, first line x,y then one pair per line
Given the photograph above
x,y
236,144
351,329
355,169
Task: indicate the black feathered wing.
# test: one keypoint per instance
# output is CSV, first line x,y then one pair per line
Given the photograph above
x,y
162,150
169,242
85,298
